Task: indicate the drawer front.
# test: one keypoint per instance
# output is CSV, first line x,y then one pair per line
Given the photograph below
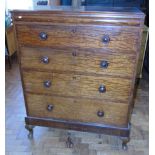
x,y
78,36
81,110
107,88
104,63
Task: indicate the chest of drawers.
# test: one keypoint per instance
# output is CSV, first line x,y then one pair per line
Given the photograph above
x,y
78,67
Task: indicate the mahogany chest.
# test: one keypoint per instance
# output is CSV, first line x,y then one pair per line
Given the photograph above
x,y
78,67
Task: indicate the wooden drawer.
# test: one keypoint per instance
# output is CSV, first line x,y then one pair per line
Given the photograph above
x,y
77,109
111,88
92,61
121,38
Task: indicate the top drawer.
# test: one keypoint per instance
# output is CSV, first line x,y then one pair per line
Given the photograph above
x,y
78,36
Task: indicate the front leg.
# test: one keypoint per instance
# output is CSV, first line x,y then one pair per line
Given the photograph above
x,y
125,140
69,141
30,129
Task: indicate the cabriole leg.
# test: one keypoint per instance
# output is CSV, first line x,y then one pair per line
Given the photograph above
x,y
69,141
125,140
30,129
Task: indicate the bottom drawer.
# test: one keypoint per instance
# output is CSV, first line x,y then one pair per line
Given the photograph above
x,y
81,110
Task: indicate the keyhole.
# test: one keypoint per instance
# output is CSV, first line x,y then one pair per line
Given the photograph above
x,y
75,101
74,77
74,30
74,54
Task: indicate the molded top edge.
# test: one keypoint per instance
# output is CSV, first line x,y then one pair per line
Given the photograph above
x,y
81,10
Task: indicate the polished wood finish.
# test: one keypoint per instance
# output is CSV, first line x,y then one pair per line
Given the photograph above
x,y
75,85
49,140
10,37
83,16
79,110
79,126
77,36
65,84
79,60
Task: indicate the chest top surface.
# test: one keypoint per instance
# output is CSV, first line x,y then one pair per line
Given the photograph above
x,y
83,15
97,11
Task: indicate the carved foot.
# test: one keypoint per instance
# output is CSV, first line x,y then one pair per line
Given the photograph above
x,y
137,81
69,142
124,146
30,129
125,140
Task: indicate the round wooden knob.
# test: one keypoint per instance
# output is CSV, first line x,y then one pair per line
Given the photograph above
x,y
43,35
100,113
45,60
47,84
102,89
106,39
50,107
104,64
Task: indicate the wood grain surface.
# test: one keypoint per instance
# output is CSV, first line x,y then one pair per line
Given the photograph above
x,y
115,16
82,110
79,36
79,60
77,85
75,46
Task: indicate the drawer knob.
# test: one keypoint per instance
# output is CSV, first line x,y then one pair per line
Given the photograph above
x,y
106,39
43,35
50,107
102,89
47,84
100,113
45,60
104,64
